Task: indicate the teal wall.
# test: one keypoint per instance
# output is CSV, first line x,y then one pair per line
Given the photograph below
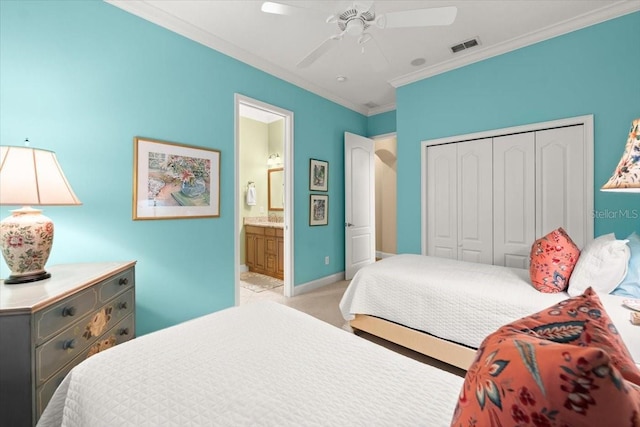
x,y
381,124
590,71
83,78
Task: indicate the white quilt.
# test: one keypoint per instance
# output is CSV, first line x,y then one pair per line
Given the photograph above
x,y
459,301
262,364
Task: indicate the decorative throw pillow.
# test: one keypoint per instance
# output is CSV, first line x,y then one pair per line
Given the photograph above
x,y
602,265
553,258
582,321
558,367
522,380
630,286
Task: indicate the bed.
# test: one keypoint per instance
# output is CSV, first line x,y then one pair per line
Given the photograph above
x,y
444,308
259,364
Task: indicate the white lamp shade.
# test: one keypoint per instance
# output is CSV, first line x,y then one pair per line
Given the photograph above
x,y
626,177
30,176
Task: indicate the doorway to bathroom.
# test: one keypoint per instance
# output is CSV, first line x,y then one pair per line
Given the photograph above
x,y
264,201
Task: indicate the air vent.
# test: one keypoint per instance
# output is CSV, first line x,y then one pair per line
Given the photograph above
x,y
465,45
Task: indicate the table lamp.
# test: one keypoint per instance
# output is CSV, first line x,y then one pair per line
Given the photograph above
x,y
30,177
626,177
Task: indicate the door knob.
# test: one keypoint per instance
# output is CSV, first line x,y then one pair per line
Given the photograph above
x,y
348,224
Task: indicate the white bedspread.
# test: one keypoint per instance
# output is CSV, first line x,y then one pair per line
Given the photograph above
x,y
459,301
262,364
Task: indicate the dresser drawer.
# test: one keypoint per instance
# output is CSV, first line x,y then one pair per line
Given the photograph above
x,y
123,331
61,349
269,231
54,319
115,285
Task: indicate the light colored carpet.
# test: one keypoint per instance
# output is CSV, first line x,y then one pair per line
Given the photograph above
x,y
257,282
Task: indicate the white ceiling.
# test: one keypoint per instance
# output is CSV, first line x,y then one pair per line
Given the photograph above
x,y
276,43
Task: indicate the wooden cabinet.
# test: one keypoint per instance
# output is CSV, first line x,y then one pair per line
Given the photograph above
x,y
265,250
48,327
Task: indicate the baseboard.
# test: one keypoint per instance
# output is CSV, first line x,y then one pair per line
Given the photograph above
x,y
243,268
318,283
381,255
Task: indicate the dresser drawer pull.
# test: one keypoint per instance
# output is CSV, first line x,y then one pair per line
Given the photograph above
x,y
123,281
69,344
122,305
68,311
123,331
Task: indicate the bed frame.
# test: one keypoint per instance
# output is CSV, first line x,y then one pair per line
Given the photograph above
x,y
429,345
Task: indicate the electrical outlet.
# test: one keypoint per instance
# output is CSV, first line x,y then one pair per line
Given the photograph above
x,y
326,260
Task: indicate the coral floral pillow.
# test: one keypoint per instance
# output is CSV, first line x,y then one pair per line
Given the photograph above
x,y
553,258
532,373
521,380
582,321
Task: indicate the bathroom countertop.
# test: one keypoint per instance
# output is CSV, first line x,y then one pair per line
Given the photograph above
x,y
259,222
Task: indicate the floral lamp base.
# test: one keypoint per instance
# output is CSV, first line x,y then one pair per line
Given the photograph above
x,y
26,238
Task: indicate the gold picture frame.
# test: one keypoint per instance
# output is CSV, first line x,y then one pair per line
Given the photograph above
x,y
174,181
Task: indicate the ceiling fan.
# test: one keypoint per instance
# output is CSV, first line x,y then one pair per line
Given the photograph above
x,y
357,19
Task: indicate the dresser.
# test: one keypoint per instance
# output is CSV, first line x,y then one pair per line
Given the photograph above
x,y
265,249
48,327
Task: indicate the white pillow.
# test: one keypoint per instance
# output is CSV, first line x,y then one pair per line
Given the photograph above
x,y
602,264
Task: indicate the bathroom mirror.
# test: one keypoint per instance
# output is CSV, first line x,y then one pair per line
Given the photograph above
x,y
275,184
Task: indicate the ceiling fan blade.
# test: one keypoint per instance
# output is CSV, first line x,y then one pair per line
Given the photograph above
x,y
324,47
418,17
276,8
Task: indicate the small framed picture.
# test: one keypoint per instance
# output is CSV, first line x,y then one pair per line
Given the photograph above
x,y
319,209
318,175
175,181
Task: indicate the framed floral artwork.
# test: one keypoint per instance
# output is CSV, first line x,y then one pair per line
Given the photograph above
x,y
318,175
319,209
172,180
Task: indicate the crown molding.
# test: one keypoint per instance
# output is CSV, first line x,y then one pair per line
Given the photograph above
x,y
606,13
381,109
150,13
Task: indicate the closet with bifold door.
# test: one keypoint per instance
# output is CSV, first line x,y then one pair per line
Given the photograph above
x,y
489,198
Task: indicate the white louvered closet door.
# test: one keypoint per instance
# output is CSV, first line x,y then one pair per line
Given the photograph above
x,y
514,222
442,201
560,182
475,207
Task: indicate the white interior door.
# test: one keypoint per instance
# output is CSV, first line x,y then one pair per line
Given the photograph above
x,y
475,201
560,178
514,190
359,181
442,201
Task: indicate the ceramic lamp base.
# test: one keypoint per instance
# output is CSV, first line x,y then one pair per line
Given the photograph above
x,y
14,280
26,238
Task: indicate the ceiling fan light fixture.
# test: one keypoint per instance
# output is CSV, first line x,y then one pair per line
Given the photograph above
x,y
355,27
